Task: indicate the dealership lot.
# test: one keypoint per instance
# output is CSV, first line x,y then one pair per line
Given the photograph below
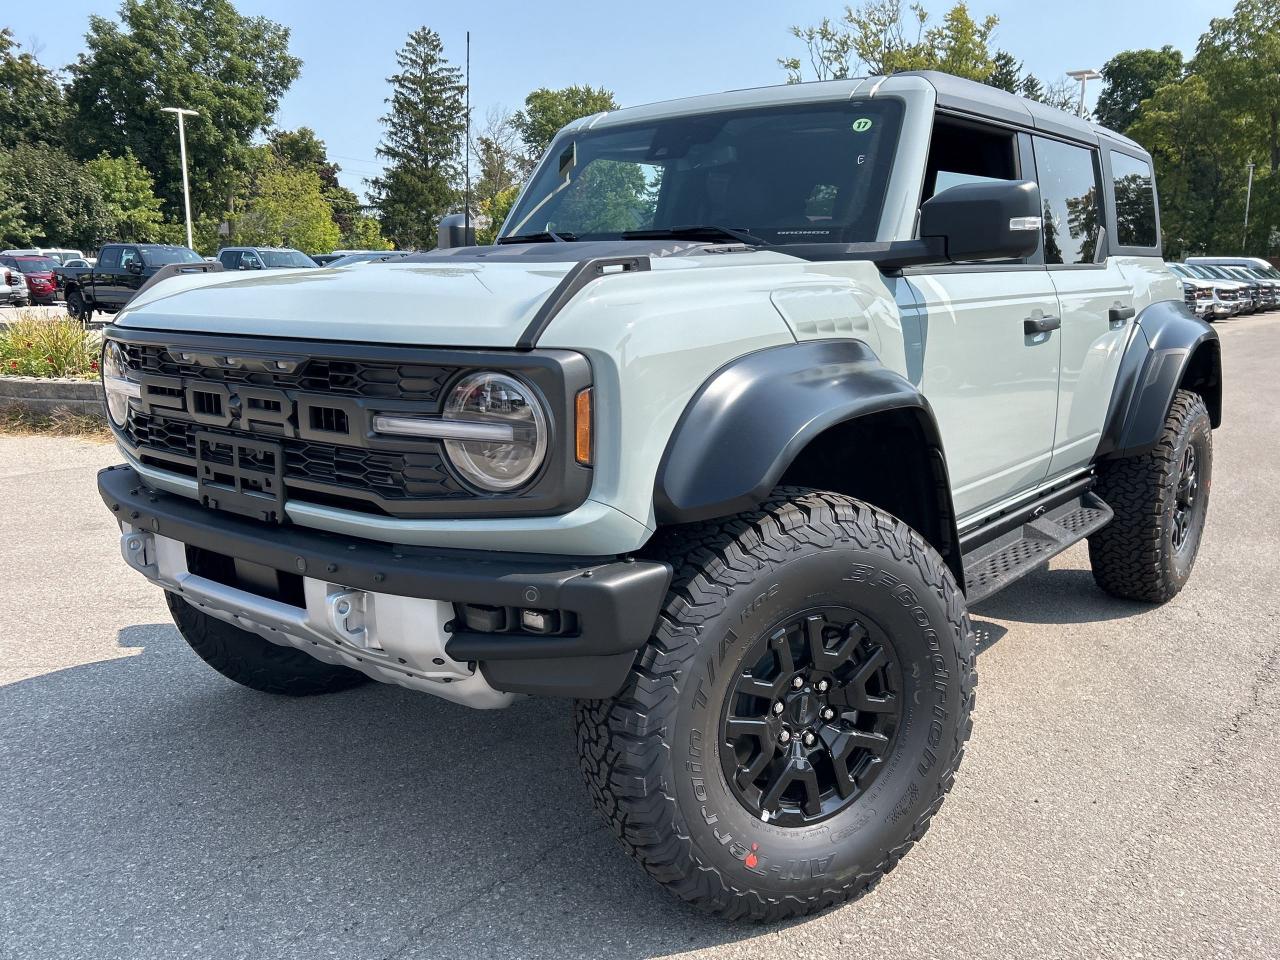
x,y
1119,797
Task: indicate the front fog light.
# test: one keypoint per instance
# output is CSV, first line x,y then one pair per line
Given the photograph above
x,y
495,398
116,383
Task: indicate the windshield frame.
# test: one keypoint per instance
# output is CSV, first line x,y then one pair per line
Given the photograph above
x,y
867,224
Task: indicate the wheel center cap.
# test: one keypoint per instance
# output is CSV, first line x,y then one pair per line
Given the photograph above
x,y
803,708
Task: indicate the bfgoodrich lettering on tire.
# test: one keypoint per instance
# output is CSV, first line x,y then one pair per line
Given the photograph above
x,y
798,714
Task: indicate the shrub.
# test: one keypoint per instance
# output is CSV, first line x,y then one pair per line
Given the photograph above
x,y
33,346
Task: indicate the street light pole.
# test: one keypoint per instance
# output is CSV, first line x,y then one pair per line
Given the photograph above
x,y
1247,198
1083,76
182,150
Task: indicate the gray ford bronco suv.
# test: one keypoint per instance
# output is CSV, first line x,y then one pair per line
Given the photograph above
x,y
756,394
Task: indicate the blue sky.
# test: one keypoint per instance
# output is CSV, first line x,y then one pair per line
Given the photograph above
x,y
644,52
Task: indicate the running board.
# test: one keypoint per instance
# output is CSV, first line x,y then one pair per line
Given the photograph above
x,y
994,565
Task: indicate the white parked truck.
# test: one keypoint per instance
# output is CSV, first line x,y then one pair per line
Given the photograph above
x,y
756,394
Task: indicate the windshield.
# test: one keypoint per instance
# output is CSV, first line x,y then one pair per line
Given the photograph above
x,y
161,256
36,264
286,258
809,174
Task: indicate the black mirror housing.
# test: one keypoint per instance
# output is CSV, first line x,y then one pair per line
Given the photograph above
x,y
999,220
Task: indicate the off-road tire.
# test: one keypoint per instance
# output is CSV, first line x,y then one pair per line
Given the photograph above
x,y
256,663
1134,556
649,754
77,307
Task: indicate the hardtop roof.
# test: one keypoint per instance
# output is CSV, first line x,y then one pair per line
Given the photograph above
x,y
954,94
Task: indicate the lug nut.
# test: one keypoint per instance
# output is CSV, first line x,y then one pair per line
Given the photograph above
x,y
778,708
828,713
784,736
808,738
797,682
823,686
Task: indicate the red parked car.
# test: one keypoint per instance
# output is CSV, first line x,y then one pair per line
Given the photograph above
x,y
42,285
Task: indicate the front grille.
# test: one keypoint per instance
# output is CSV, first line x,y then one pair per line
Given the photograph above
x,y
342,378
319,400
349,471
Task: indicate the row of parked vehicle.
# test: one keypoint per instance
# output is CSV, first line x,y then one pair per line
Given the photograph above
x,y
1216,287
47,275
34,275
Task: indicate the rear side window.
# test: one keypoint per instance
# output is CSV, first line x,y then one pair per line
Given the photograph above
x,y
1069,191
1135,201
110,258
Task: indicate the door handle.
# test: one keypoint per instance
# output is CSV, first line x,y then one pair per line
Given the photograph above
x,y
1033,325
1119,315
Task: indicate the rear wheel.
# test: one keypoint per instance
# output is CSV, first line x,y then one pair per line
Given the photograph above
x,y
798,714
1160,499
77,307
256,663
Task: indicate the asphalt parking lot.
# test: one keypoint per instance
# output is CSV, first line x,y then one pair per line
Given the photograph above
x,y
1119,799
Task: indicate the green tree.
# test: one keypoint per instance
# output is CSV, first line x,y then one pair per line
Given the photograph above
x,y
547,111
1199,165
62,203
364,234
881,38
14,228
1006,71
128,193
1239,56
286,207
303,149
1131,77
493,211
33,108
421,143
198,54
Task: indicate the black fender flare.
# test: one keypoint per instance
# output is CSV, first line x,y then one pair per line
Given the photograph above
x,y
1168,343
749,421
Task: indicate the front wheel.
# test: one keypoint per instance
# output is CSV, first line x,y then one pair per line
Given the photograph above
x,y
254,662
798,714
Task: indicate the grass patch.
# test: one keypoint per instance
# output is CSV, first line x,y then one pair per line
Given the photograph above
x,y
20,421
35,346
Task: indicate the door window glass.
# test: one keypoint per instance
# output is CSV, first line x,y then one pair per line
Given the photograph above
x,y
129,257
1069,192
110,259
1135,201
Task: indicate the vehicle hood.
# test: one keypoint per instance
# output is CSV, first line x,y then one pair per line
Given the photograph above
x,y
481,305
433,300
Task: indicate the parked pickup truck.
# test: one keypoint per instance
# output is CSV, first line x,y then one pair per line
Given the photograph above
x,y
756,395
122,270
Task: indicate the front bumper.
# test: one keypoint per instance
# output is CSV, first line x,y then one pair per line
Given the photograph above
x,y
392,611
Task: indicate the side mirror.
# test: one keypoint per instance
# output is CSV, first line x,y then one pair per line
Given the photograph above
x,y
999,220
135,266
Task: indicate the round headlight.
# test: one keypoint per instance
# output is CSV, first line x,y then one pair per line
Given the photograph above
x,y
514,456
116,383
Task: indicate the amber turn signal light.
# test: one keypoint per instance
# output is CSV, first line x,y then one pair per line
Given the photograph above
x,y
582,426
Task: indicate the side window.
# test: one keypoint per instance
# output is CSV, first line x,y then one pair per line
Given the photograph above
x,y
110,259
249,261
1135,201
129,256
968,153
1069,190
229,259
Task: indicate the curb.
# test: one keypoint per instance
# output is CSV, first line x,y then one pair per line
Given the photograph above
x,y
47,394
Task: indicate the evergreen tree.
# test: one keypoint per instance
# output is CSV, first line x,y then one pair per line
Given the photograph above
x,y
422,143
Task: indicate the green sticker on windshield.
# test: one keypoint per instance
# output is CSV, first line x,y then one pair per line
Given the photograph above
x,y
862,125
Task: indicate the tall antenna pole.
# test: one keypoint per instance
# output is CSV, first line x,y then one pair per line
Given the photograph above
x,y
1247,198
466,194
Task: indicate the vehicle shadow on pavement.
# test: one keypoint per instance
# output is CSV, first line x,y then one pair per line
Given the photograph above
x,y
1056,595
154,808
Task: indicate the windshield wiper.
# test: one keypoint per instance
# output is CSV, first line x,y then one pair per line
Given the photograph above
x,y
544,236
706,230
